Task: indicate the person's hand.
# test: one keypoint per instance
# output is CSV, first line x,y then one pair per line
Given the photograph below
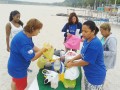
x,y
71,60
8,49
68,61
82,39
46,48
69,35
69,64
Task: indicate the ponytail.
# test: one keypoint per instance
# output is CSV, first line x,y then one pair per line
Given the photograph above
x,y
11,16
96,30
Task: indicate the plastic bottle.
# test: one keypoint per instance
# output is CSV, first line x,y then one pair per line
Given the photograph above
x,y
57,65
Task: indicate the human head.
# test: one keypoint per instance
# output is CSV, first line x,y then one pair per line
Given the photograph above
x,y
15,16
73,19
105,29
33,26
89,29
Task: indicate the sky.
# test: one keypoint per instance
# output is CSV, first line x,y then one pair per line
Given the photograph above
x,y
42,1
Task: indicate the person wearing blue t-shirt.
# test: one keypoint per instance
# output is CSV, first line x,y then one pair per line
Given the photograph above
x,y
91,58
72,27
22,52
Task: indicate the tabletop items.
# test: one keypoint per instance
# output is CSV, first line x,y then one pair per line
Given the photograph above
x,y
54,68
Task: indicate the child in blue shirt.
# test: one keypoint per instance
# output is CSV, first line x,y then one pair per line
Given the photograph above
x,y
91,58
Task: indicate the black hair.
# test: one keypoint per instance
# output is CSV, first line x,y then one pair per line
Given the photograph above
x,y
12,14
92,26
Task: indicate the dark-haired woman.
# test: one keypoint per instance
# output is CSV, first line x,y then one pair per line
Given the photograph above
x,y
72,27
22,52
14,26
91,58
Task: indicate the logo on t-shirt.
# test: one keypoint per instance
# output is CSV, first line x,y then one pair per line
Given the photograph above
x,y
30,51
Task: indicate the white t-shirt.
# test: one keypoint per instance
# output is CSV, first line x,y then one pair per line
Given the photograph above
x,y
15,30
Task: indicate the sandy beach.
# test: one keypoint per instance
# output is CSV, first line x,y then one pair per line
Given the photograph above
x,y
51,32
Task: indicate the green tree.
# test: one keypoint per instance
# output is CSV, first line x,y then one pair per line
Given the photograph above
x,y
74,3
79,3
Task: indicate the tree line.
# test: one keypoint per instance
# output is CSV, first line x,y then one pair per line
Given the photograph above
x,y
84,3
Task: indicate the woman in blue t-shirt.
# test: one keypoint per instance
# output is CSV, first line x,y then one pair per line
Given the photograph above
x,y
72,27
22,52
91,58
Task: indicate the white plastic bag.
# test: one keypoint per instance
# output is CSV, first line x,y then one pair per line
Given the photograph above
x,y
50,75
69,55
72,73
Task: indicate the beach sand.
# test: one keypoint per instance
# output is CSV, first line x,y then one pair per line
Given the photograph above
x,y
51,32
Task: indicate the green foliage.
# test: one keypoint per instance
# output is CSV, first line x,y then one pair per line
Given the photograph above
x,y
73,3
79,3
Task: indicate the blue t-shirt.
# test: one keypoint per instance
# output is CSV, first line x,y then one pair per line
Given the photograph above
x,y
21,53
92,52
72,29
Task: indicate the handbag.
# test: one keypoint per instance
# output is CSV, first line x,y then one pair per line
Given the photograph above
x,y
73,42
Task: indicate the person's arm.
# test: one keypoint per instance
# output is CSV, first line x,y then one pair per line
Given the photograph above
x,y
38,54
75,58
112,46
36,49
77,63
65,28
8,31
72,62
28,52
